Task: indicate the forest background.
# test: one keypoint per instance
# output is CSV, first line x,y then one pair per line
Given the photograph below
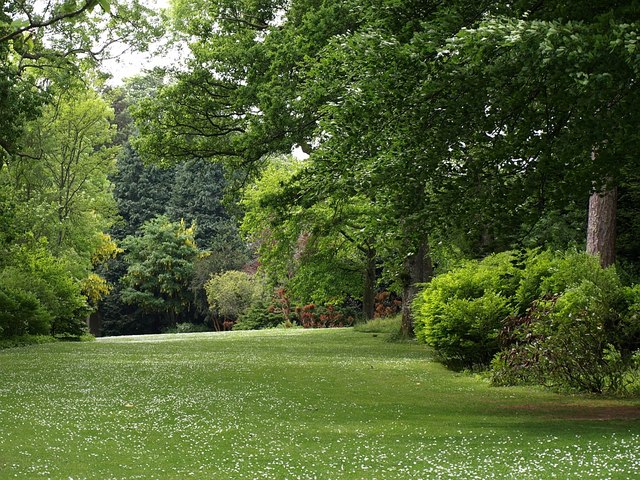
x,y
429,135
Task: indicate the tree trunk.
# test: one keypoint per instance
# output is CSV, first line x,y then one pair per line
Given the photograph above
x,y
368,298
601,226
94,322
417,269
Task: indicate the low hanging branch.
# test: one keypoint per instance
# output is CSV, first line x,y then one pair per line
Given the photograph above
x,y
32,23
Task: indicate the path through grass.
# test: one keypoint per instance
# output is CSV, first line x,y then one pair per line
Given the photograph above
x,y
300,404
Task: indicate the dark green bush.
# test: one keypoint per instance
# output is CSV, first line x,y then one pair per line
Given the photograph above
x,y
21,313
186,327
580,329
257,317
25,340
460,313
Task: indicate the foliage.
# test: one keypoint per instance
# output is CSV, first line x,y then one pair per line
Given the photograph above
x,y
387,304
460,313
387,325
257,317
570,326
21,313
324,316
320,252
548,273
186,327
568,342
25,340
160,265
94,287
40,295
59,186
58,41
232,293
141,192
198,196
481,124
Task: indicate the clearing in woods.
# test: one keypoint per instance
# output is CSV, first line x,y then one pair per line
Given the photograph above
x,y
294,404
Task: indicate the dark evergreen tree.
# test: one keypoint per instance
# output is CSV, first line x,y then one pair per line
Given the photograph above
x,y
141,192
197,197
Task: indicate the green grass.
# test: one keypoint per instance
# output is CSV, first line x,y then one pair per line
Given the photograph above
x,y
290,404
389,325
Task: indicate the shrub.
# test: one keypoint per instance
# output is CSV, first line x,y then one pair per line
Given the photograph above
x,y
39,295
25,340
186,327
324,316
460,313
230,294
21,313
387,325
579,334
552,273
257,317
386,304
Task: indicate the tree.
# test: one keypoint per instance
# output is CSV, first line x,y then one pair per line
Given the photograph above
x,y
238,100
141,192
160,267
60,39
230,294
565,129
464,119
198,196
71,144
323,251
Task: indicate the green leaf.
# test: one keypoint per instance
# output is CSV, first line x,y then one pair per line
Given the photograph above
x,y
20,23
105,5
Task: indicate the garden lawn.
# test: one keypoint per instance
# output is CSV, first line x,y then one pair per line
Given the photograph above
x,y
290,404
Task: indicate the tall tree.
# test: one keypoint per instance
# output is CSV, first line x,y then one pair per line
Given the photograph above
x,y
62,178
142,192
62,39
160,264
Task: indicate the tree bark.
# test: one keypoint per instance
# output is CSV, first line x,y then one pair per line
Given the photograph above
x,y
369,295
601,226
418,268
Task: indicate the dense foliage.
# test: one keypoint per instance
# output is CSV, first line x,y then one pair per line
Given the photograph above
x,y
460,313
365,147
551,318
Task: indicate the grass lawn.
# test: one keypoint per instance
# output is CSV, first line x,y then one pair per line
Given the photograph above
x,y
290,404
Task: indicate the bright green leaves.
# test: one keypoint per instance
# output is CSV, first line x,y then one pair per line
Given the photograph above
x,y
105,5
230,294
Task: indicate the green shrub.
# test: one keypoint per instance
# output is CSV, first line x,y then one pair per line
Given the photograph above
x,y
387,325
549,273
186,327
231,294
21,313
579,332
25,340
460,313
257,317
40,295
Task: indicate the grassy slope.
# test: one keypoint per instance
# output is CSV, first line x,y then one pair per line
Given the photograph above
x,y
324,404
